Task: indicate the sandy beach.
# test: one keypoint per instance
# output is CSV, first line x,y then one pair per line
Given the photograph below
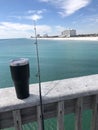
x,y
73,38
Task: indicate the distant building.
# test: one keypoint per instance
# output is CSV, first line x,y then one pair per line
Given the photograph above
x,y
45,35
38,35
68,33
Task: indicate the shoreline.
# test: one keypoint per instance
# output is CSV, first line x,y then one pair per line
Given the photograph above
x,y
72,38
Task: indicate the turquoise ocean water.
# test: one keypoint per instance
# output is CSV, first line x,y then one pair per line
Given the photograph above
x,y
58,60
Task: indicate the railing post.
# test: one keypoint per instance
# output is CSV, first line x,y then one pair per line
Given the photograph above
x,y
78,114
39,118
94,123
17,120
60,116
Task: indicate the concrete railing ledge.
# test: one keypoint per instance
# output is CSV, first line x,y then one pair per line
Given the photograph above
x,y
52,91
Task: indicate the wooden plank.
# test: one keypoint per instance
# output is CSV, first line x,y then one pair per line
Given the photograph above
x,y
78,114
50,110
60,116
94,122
17,120
39,119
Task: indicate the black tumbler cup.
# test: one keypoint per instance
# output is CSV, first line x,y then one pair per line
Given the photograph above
x,y
20,74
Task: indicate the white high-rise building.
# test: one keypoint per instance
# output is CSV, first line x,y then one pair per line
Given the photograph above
x,y
68,33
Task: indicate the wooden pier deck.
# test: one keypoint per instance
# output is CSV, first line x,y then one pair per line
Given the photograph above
x,y
60,97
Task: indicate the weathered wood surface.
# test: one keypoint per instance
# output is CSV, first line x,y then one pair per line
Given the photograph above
x,y
50,110
17,120
39,120
78,114
68,90
52,91
94,125
60,116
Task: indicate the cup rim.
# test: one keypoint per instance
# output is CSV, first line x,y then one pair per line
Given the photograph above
x,y
19,61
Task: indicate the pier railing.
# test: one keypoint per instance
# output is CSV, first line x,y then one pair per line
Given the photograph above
x,y
60,97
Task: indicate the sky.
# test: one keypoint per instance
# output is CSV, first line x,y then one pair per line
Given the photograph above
x,y
17,17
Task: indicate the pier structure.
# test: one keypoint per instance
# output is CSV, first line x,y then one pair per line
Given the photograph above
x,y
60,97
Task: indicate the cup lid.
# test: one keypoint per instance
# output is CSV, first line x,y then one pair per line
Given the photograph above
x,y
19,62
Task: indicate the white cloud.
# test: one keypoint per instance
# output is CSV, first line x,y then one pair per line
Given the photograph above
x,y
74,5
16,17
34,17
15,26
59,29
39,11
31,15
31,11
36,11
68,7
36,14
41,29
13,30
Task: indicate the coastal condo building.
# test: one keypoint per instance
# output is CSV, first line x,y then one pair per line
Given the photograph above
x,y
68,33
